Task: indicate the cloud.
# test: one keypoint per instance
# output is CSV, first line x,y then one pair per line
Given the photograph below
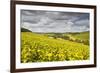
x,y
50,21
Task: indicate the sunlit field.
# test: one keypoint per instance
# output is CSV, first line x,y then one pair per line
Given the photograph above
x,y
47,47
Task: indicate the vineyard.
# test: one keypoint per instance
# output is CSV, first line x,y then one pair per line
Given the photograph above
x,y
44,48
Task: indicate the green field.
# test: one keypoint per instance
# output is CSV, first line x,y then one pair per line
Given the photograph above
x,y
44,47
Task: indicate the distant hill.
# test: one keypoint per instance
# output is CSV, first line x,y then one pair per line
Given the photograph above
x,y
61,32
25,30
79,37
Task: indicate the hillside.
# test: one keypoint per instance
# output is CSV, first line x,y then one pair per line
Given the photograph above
x,y
25,30
80,37
41,48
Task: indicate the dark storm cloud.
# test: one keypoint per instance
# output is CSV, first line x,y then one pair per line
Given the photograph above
x,y
50,21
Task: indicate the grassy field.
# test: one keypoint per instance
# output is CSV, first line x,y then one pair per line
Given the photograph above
x,y
81,37
38,47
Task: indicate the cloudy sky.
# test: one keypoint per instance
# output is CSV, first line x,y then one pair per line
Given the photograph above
x,y
54,21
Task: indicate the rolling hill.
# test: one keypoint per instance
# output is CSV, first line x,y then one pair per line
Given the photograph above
x,y
25,30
